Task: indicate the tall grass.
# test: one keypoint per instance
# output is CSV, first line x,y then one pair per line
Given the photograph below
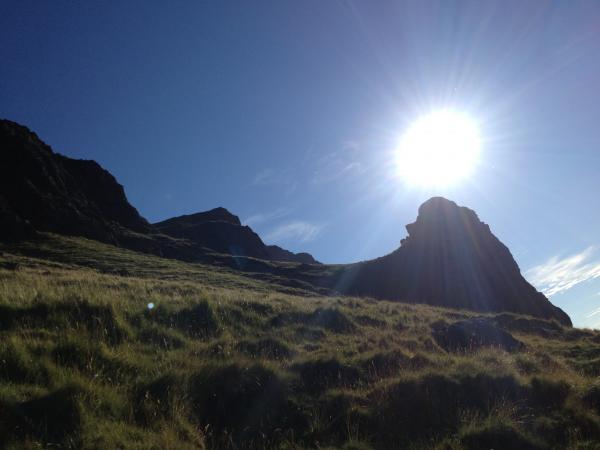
x,y
225,361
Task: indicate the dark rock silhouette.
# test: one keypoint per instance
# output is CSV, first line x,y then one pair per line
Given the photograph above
x,y
44,191
222,232
277,253
218,230
41,190
450,258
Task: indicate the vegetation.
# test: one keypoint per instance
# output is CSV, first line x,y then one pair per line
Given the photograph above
x,y
106,348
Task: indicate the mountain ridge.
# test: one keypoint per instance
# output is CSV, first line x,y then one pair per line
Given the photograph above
x,y
450,258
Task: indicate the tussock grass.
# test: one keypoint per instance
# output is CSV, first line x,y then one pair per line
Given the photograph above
x,y
226,361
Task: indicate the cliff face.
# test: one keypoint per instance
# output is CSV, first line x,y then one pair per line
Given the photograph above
x,y
277,253
218,230
44,191
41,190
221,231
451,258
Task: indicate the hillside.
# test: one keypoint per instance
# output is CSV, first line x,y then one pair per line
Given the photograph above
x,y
103,348
450,258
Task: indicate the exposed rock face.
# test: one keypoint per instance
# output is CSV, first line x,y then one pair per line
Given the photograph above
x,y
450,258
41,190
218,230
277,253
222,232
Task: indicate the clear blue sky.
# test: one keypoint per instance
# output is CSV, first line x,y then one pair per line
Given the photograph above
x,y
288,113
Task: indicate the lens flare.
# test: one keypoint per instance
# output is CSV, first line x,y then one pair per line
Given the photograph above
x,y
438,149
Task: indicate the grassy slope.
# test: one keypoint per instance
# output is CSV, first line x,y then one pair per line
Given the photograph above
x,y
228,361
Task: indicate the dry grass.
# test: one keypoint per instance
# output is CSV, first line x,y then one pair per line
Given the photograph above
x,y
226,361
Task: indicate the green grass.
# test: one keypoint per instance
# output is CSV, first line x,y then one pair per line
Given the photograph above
x,y
227,360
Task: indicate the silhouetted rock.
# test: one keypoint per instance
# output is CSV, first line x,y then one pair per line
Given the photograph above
x,y
277,253
450,258
41,190
218,230
222,232
472,334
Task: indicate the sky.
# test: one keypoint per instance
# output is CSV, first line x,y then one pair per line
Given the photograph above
x,y
289,114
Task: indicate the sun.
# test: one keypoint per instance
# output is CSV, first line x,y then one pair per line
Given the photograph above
x,y
438,149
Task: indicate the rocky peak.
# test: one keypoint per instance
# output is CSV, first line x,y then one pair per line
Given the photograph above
x,y
219,214
451,258
50,192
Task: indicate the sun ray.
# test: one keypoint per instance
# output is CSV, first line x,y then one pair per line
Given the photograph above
x,y
438,149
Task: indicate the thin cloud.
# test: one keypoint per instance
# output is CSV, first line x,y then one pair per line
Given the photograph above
x,y
266,177
297,230
338,164
593,313
559,275
259,218
270,177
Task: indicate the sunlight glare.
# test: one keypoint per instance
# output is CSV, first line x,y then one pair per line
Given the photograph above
x,y
438,149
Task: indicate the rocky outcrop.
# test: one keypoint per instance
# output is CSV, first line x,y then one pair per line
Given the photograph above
x,y
222,232
450,258
44,191
277,253
41,190
218,230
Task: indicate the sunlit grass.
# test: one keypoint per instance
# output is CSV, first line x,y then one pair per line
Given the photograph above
x,y
227,361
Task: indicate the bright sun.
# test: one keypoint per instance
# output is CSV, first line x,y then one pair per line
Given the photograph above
x,y
438,149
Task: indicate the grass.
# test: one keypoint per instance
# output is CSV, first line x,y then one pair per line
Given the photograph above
x,y
225,360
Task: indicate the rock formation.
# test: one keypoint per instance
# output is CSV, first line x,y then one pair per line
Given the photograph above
x,y
450,258
44,191
41,190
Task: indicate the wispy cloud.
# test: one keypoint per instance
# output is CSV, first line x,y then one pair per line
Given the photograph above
x,y
265,177
270,177
558,275
297,230
259,218
593,313
338,164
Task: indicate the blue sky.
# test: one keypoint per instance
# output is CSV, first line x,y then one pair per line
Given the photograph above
x,y
288,114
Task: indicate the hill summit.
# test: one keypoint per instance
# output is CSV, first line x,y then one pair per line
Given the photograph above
x,y
451,258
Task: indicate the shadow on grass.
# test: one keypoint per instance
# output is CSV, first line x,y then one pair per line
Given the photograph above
x,y
247,406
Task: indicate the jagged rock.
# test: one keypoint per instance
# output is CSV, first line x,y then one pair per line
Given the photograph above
x,y
218,230
41,190
450,258
277,253
222,232
471,334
